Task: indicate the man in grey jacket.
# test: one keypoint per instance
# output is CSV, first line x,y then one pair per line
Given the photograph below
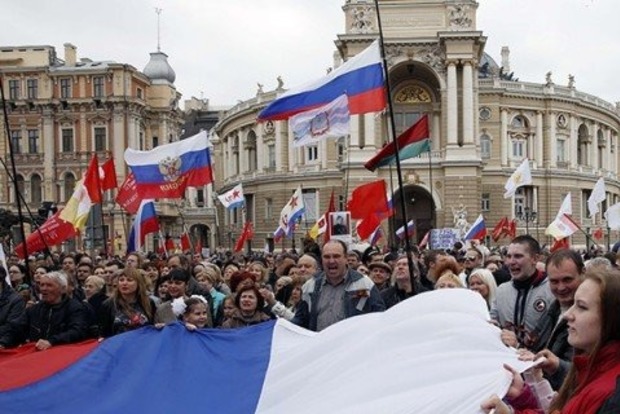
x,y
337,292
521,303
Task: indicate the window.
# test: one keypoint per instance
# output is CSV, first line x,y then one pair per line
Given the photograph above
x,y
250,144
155,142
67,140
14,89
312,153
20,186
485,146
519,122
485,202
404,120
249,207
340,149
268,208
520,199
33,88
98,87
100,139
341,203
139,93
65,88
33,141
560,150
200,197
582,145
518,148
16,139
271,156
36,194
69,185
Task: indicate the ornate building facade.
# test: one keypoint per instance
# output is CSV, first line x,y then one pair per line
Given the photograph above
x,y
61,111
483,123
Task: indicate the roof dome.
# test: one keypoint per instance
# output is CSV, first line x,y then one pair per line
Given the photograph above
x,y
488,66
158,69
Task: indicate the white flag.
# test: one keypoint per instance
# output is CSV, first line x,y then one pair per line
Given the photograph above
x,y
561,228
612,215
233,198
522,176
597,196
289,214
327,121
566,207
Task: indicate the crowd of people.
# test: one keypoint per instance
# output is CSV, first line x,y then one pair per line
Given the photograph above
x,y
560,309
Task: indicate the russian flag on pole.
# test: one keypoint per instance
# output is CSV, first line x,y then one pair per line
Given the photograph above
x,y
360,78
400,233
477,231
166,171
144,223
262,368
233,198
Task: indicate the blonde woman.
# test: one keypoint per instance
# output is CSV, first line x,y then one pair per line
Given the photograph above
x,y
129,307
483,282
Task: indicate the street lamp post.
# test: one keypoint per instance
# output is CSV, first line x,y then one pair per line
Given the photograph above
x,y
528,216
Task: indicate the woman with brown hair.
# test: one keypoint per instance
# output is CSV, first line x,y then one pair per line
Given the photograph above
x,y
249,310
594,333
129,307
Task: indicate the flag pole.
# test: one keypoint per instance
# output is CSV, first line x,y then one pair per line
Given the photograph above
x,y
14,169
396,148
430,180
585,233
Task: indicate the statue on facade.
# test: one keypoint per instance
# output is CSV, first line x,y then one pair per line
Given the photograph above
x,y
571,81
280,83
548,80
459,16
260,88
362,20
460,220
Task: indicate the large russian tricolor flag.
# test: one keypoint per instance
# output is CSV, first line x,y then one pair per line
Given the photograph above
x,y
477,231
144,223
360,78
166,171
435,341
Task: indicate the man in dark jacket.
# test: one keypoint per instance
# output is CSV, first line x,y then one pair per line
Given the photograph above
x,y
404,288
56,319
337,292
12,314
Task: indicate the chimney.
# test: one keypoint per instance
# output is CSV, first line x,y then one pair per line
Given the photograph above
x,y
70,54
506,59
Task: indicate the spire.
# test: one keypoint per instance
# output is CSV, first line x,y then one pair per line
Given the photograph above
x,y
158,11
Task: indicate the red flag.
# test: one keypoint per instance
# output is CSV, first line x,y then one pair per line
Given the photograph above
x,y
560,244
246,234
367,226
424,241
91,181
54,231
598,234
185,242
499,229
330,209
511,231
127,196
107,174
198,247
369,199
169,243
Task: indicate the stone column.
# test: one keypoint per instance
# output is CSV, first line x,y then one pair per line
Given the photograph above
x,y
539,150
593,149
49,150
468,104
504,144
369,131
573,142
260,153
436,131
452,105
553,156
119,143
354,140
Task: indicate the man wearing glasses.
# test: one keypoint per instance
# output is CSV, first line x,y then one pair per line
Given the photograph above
x,y
473,260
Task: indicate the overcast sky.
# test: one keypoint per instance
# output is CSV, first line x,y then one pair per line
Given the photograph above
x,y
220,49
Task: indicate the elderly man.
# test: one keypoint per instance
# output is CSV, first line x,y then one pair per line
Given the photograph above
x,y
403,288
337,292
522,303
308,266
56,319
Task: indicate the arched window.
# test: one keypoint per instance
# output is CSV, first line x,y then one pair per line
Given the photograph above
x,y
519,122
69,185
20,187
582,145
485,146
36,193
602,144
